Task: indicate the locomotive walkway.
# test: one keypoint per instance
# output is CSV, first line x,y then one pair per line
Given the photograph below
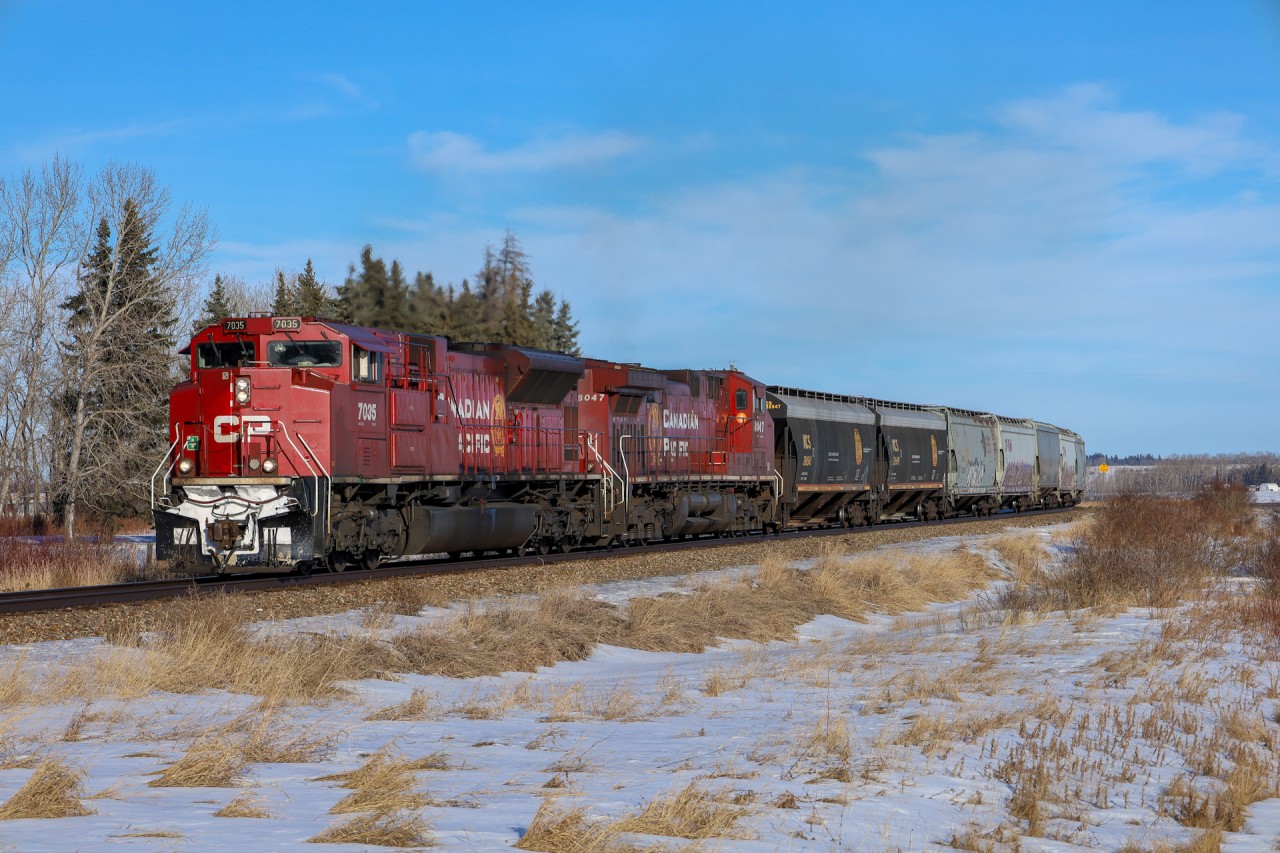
x,y
32,601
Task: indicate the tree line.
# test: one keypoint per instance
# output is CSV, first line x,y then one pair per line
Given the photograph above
x,y
500,308
102,277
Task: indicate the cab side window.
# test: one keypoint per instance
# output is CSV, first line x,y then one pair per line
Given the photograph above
x,y
740,400
366,366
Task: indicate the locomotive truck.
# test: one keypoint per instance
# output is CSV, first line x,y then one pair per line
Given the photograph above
x,y
299,443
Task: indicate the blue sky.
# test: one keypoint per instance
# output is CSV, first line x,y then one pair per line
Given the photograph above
x,y
1068,212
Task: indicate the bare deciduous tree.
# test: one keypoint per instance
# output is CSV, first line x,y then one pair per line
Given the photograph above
x,y
42,239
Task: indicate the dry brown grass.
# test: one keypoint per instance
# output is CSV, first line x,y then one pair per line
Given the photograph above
x,y
206,643
1208,841
408,596
1224,805
416,707
209,643
828,738
27,565
211,762
54,790
15,682
770,604
691,812
932,732
1024,553
396,829
559,830
383,793
247,804
1145,551
269,739
385,783
559,626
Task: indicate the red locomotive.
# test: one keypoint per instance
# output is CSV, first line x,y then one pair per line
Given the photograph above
x,y
299,442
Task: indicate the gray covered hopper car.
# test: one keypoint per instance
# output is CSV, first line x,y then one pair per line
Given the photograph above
x,y
973,462
855,460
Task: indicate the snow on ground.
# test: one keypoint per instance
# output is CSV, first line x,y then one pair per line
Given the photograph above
x,y
905,733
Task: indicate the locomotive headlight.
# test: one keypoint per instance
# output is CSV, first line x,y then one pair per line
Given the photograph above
x,y
269,465
185,465
242,389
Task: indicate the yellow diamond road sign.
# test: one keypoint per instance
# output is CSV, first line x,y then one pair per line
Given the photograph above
x,y
1104,468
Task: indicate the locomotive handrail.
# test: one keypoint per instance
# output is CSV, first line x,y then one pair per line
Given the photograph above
x,y
610,498
285,431
166,463
626,476
323,470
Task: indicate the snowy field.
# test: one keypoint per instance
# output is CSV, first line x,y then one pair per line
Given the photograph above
x,y
947,729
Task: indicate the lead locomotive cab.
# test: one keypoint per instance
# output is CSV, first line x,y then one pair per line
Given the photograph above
x,y
247,476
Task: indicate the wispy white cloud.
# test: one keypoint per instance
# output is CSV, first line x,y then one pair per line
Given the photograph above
x,y
339,82
75,141
452,153
1087,118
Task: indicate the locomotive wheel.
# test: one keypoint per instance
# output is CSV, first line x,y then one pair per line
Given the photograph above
x,y
544,547
370,560
338,562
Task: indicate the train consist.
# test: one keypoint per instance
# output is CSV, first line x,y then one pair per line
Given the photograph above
x,y
299,443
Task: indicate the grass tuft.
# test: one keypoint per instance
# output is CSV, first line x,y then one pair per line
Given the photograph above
x,y
211,762
247,804
691,812
54,790
397,829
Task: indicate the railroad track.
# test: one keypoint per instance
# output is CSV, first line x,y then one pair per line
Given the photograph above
x,y
32,601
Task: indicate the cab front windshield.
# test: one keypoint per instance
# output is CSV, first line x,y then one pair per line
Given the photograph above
x,y
304,353
237,354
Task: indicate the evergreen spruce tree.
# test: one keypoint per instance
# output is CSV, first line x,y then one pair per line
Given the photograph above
x,y
149,315
311,298
120,363
565,336
95,286
517,319
374,296
544,320
285,301
491,298
347,305
500,308
468,321
396,311
429,306
216,306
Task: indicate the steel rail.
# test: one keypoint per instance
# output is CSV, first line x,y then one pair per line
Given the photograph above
x,y
33,601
